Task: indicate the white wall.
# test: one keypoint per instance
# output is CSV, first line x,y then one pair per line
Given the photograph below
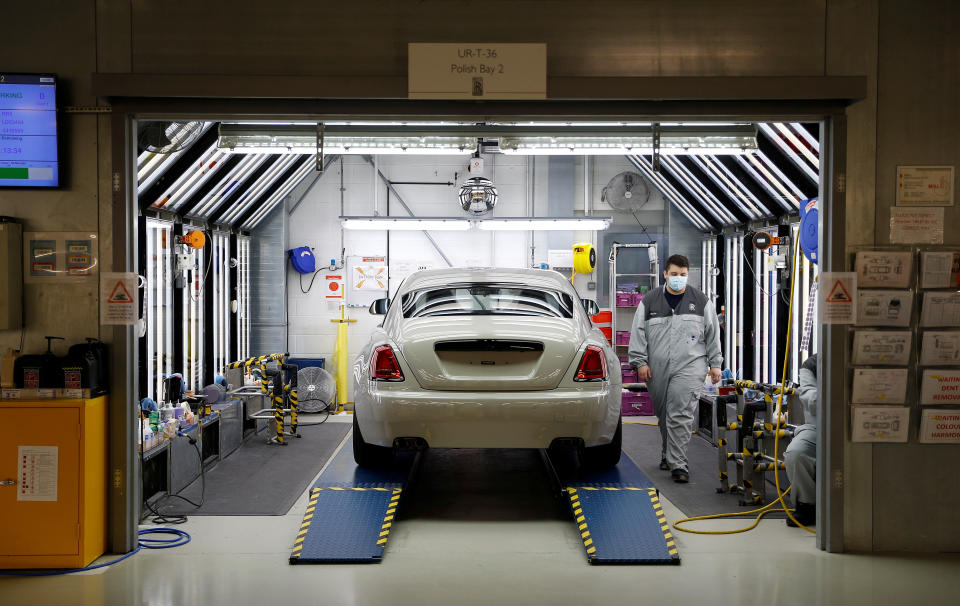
x,y
522,183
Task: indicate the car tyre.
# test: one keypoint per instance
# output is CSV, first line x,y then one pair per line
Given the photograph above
x,y
369,455
605,456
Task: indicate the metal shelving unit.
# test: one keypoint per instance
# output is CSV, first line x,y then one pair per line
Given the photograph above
x,y
623,316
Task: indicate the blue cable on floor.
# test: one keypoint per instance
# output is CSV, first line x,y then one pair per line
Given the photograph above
x,y
180,538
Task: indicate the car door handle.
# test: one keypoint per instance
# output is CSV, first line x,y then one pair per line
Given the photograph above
x,y
8,482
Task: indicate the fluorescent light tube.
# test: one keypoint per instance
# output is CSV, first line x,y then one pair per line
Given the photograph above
x,y
406,223
544,224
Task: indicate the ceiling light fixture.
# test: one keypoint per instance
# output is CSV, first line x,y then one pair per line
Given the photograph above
x,y
358,138
457,224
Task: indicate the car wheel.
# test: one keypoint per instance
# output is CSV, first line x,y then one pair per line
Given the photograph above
x,y
369,455
605,456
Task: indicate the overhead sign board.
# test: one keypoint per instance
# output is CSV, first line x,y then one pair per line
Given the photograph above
x,y
476,71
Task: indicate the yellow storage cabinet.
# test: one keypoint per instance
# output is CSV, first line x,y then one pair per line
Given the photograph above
x,y
53,469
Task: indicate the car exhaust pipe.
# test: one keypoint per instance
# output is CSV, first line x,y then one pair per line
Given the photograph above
x,y
417,444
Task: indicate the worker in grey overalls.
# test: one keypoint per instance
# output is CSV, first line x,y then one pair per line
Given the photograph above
x,y
674,342
801,455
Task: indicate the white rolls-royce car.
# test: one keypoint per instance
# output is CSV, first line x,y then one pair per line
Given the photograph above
x,y
486,358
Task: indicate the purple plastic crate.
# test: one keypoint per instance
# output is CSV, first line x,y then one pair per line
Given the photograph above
x,y
629,376
625,299
636,404
637,298
623,337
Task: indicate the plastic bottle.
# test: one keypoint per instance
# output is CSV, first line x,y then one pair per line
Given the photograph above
x,y
6,368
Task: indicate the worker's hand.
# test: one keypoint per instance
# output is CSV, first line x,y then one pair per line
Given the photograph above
x,y
643,373
715,375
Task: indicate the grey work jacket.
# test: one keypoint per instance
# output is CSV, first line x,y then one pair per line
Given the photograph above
x,y
668,339
807,392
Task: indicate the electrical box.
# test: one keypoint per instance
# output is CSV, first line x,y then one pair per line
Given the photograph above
x,y
11,275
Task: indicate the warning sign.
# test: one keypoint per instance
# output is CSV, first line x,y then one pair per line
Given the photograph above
x,y
940,426
334,287
120,294
839,294
118,301
838,304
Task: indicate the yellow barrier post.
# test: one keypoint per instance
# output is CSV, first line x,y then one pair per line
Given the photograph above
x,y
340,353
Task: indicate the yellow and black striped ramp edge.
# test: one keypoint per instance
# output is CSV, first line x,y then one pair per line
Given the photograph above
x,y
622,525
346,525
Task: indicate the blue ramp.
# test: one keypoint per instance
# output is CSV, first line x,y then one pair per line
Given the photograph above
x,y
353,527
618,513
357,508
622,525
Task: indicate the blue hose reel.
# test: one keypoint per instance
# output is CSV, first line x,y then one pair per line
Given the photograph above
x,y
809,228
302,259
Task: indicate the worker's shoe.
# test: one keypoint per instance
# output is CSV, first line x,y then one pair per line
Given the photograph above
x,y
680,475
664,465
805,513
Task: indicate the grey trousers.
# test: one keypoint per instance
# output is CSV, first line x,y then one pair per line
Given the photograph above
x,y
675,404
801,460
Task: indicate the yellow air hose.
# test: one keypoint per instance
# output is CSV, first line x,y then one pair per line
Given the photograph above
x,y
776,444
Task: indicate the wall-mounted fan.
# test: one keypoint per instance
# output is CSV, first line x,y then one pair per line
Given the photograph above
x,y
627,192
165,136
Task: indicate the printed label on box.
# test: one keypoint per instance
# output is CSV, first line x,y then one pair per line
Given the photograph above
x,y
31,378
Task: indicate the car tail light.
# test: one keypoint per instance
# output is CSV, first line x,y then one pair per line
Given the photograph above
x,y
593,365
384,366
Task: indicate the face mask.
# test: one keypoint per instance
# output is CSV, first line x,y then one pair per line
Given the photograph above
x,y
677,283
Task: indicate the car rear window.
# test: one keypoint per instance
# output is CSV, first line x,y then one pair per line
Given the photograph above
x,y
486,300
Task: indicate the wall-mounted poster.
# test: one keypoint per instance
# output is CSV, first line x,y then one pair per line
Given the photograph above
x,y
940,386
884,307
940,347
939,426
884,269
59,257
940,269
925,185
916,225
882,347
879,385
880,423
940,309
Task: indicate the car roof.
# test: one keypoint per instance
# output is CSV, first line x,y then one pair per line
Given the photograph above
x,y
528,277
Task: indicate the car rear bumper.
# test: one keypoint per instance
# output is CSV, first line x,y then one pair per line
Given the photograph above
x,y
447,419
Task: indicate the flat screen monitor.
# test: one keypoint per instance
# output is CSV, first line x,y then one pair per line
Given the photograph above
x,y
28,131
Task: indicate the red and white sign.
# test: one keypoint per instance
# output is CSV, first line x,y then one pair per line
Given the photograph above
x,y
916,225
118,298
334,287
940,386
939,426
925,185
838,303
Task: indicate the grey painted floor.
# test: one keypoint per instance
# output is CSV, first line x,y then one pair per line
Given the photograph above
x,y
450,556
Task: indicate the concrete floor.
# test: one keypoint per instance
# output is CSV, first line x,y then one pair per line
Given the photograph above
x,y
473,534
